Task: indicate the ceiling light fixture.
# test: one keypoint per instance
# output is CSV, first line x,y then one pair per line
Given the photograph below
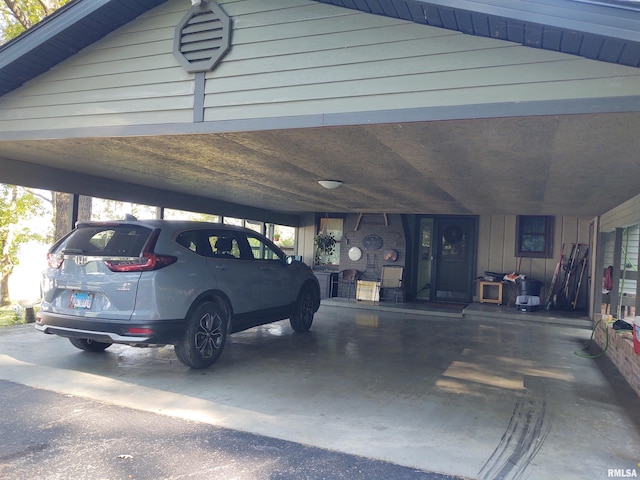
x,y
330,184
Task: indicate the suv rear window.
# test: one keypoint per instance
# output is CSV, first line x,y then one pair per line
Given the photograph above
x,y
106,240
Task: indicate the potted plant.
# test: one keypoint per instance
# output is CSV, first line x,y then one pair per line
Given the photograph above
x,y
325,243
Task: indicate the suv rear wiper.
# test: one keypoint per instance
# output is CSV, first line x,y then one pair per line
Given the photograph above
x,y
73,251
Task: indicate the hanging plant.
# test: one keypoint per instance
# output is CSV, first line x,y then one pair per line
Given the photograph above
x,y
325,243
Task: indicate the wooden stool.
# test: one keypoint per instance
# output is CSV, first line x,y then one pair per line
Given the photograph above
x,y
484,299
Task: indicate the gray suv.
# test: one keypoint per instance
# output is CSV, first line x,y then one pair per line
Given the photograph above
x,y
161,282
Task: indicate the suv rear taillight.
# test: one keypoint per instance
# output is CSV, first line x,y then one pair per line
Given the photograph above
x,y
144,263
54,260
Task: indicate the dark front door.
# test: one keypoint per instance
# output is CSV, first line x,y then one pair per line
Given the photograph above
x,y
452,266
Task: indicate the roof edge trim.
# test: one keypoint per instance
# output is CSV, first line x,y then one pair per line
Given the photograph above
x,y
40,176
580,106
49,27
591,18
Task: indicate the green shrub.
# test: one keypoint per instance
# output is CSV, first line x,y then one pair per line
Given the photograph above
x,y
9,316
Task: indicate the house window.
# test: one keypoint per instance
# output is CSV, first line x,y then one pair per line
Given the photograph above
x,y
332,227
534,236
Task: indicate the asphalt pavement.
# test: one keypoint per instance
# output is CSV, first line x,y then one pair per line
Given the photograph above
x,y
46,435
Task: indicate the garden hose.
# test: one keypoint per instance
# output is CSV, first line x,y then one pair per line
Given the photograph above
x,y
579,351
606,340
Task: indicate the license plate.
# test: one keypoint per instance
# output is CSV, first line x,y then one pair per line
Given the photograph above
x,y
81,300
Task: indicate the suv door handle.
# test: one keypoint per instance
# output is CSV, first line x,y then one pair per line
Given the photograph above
x,y
221,267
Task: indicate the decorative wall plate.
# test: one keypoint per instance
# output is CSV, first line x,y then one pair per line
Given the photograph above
x,y
390,255
372,242
355,254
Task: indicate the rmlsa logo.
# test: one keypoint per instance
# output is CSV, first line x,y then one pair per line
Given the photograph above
x,y
622,473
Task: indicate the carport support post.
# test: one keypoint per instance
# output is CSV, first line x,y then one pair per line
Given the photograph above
x,y
637,305
617,264
75,208
598,272
198,97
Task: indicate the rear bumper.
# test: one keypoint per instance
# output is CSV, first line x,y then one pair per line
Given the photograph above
x,y
154,332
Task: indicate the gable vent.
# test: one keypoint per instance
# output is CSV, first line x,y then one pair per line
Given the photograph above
x,y
202,37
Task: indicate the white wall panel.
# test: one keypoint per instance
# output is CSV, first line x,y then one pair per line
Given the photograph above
x,y
496,246
622,216
129,77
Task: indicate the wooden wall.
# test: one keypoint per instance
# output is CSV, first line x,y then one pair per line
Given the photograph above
x,y
496,246
495,250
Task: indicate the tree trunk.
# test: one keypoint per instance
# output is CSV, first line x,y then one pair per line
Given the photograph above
x,y
18,13
4,286
49,6
84,208
6,263
63,211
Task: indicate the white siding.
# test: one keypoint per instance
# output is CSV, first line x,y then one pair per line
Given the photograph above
x,y
622,216
295,57
608,248
129,77
629,259
320,59
626,217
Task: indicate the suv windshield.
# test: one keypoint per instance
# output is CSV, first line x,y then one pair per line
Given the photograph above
x,y
106,240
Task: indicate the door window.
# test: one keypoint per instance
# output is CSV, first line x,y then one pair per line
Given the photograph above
x,y
424,260
327,241
215,243
453,269
225,245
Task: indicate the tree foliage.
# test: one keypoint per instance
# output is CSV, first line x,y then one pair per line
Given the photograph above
x,y
19,208
18,205
16,16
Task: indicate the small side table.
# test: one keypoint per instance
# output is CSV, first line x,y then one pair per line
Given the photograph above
x,y
483,286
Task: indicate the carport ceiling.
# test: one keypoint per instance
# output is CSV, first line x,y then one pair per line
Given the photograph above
x,y
572,164
581,164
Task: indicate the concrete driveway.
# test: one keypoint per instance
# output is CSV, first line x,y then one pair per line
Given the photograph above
x,y
481,396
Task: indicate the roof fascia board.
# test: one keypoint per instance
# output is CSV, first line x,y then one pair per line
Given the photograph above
x,y
41,176
47,29
565,14
580,106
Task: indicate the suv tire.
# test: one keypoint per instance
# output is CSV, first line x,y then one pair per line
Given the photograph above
x,y
205,336
89,345
302,316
